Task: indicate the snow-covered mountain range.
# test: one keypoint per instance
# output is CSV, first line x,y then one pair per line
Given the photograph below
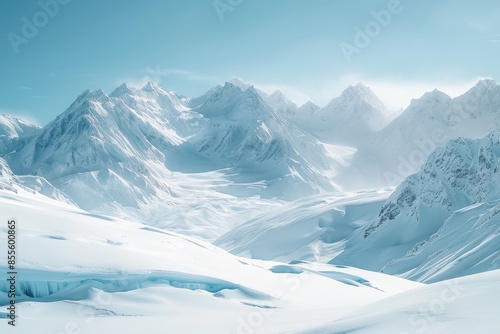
x,y
401,148
441,222
347,119
247,136
204,166
262,178
122,148
438,224
148,153
106,273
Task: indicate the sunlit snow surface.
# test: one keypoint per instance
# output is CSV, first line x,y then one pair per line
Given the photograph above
x,y
465,305
94,274
104,274
225,166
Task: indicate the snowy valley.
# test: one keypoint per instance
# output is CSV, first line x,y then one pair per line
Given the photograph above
x,y
240,212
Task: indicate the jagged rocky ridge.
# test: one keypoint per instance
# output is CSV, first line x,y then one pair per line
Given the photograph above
x,y
441,221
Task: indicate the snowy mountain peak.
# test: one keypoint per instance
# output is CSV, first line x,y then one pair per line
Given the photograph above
x,y
359,88
429,102
279,98
123,89
310,104
462,173
246,133
308,107
13,131
240,83
151,87
484,88
359,94
231,87
435,96
355,114
85,98
487,83
11,126
278,94
235,103
96,95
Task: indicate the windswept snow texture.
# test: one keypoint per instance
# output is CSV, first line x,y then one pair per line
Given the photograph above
x,y
465,305
440,223
311,229
104,273
265,179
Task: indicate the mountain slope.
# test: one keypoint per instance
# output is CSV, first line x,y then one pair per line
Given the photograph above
x,y
186,164
282,105
106,273
465,305
245,135
13,132
32,184
401,148
440,222
310,229
347,119
105,147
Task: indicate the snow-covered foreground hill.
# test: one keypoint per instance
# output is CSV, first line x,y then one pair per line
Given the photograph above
x,y
80,272
166,163
97,274
464,305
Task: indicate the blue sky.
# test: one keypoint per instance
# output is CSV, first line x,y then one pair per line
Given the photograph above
x,y
295,45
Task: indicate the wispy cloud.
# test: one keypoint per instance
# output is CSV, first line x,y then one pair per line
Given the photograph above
x,y
157,74
160,75
25,88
